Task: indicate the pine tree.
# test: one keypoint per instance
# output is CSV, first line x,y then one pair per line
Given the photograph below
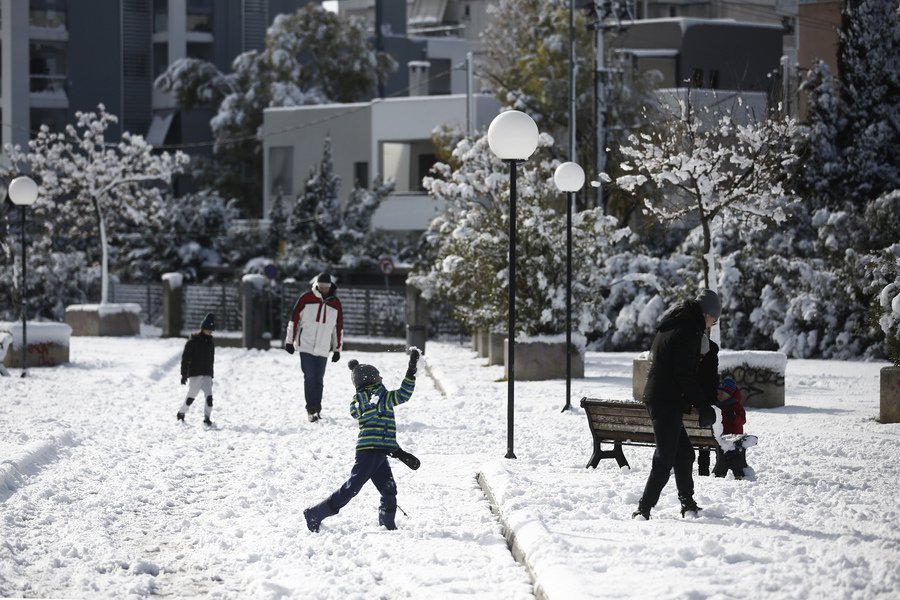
x,y
277,226
312,56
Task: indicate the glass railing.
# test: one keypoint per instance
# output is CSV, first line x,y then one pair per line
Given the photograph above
x,y
48,83
47,19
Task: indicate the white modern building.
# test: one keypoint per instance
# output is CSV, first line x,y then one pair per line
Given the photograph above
x,y
390,137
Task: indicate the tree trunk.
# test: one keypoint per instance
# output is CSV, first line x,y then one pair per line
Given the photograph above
x,y
104,278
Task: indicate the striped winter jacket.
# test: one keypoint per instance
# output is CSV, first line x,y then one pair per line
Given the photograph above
x,y
373,407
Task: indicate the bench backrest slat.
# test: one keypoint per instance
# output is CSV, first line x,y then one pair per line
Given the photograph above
x,y
629,422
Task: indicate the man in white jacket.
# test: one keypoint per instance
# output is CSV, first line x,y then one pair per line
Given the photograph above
x,y
318,322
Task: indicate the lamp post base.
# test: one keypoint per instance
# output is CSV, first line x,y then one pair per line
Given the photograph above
x,y
510,454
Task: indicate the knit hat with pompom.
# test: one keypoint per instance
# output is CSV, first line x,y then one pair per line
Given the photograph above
x,y
363,375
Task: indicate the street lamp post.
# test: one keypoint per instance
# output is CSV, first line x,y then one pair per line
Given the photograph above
x,y
569,178
23,192
513,137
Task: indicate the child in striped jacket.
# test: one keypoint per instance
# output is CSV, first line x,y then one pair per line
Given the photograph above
x,y
373,407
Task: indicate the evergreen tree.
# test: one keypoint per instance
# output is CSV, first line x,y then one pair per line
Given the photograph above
x,y
312,56
277,226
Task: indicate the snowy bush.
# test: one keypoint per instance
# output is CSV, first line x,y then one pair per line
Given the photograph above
x,y
889,300
467,264
88,188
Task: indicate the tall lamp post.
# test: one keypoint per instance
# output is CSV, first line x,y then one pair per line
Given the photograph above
x,y
569,178
23,191
513,137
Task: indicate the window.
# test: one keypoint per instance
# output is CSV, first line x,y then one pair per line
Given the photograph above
x,y
160,58
160,16
696,81
200,50
48,66
54,118
713,80
426,161
48,14
199,15
439,77
281,171
361,174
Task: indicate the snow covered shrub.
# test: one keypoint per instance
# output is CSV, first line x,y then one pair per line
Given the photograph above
x,y
189,233
89,188
467,264
889,300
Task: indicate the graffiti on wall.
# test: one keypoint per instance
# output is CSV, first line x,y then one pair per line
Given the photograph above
x,y
754,382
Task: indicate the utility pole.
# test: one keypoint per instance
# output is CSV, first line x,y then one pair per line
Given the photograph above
x,y
572,80
614,12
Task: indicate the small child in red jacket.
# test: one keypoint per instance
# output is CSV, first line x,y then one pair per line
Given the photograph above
x,y
728,399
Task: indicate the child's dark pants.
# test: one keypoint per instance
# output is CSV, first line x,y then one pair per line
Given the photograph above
x,y
370,464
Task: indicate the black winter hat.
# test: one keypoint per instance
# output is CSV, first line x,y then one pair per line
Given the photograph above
x,y
363,375
710,303
324,278
209,322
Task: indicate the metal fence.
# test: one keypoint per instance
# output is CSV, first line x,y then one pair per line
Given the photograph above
x,y
147,295
223,300
368,311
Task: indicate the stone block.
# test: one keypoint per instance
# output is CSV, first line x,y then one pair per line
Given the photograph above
x,y
496,348
112,320
484,343
541,360
759,376
47,344
890,395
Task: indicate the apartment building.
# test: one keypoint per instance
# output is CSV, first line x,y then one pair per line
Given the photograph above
x,y
63,56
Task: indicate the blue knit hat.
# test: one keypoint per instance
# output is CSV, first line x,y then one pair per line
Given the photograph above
x,y
209,322
729,386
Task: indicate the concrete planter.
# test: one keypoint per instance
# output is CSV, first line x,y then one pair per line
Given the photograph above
x,y
759,375
113,320
541,360
48,345
890,395
497,349
484,343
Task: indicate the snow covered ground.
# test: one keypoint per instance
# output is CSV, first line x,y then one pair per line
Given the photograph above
x,y
103,494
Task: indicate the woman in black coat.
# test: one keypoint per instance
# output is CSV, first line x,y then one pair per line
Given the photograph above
x,y
673,387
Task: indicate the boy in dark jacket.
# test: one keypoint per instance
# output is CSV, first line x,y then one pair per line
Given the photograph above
x,y
733,418
673,387
197,368
373,406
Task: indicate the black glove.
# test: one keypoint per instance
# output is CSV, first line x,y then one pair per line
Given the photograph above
x,y
336,357
413,362
183,380
289,348
707,415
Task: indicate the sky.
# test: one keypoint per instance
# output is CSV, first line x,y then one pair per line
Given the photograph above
x,y
104,495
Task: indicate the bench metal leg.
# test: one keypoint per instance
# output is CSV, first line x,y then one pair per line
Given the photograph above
x,y
599,454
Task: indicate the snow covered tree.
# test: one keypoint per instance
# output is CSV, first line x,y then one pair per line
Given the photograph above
x,y
88,184
192,233
853,128
360,245
467,263
312,56
691,172
526,60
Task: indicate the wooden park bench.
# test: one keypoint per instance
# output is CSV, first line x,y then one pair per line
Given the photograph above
x,y
620,422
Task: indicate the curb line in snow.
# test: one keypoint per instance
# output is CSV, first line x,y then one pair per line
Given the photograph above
x,y
550,579
29,460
